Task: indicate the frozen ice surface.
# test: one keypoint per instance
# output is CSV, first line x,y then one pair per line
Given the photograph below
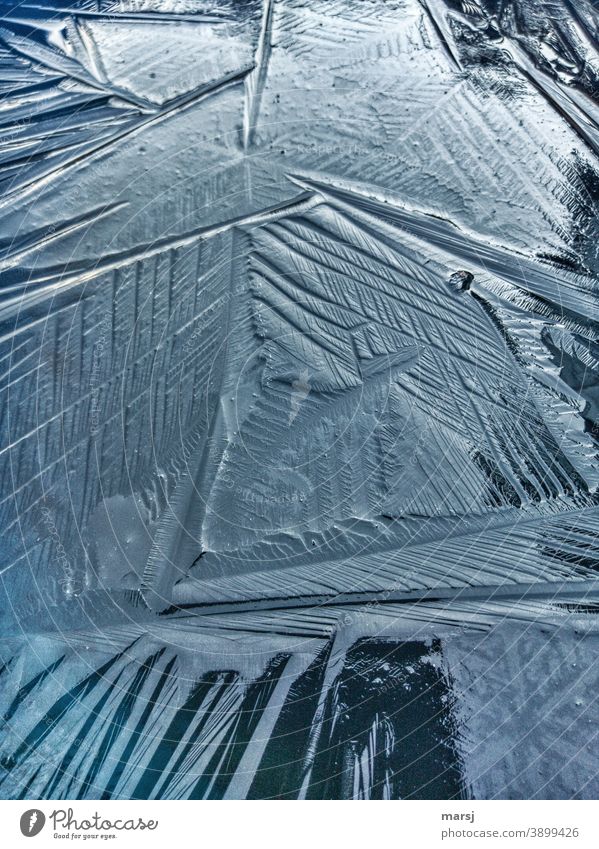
x,y
299,362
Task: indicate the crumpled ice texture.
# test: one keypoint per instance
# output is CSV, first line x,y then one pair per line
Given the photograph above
x,y
299,363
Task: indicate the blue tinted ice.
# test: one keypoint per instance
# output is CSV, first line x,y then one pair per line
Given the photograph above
x,y
299,362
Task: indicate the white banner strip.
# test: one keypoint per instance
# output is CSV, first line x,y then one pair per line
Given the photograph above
x,y
272,825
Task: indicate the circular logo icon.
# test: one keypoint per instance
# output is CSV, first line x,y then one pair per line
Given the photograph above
x,y
32,822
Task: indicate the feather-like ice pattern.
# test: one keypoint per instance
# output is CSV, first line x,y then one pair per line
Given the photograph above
x,y
299,369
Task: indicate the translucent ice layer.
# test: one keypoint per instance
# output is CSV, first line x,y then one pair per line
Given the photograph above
x,y
299,362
